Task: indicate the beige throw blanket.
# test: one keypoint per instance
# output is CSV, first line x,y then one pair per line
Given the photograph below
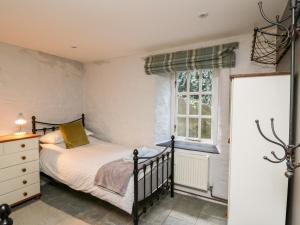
x,y
115,175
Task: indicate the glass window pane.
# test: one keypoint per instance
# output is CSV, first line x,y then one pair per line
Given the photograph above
x,y
194,104
182,81
182,104
207,80
194,81
193,127
206,128
181,127
206,104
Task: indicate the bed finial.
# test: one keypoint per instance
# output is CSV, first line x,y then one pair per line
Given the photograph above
x,y
33,119
4,215
82,118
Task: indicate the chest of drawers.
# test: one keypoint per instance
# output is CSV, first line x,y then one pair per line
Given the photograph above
x,y
19,168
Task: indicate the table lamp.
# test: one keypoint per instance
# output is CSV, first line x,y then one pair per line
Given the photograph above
x,y
20,121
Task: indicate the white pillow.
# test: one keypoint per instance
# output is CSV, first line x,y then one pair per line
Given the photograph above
x,y
55,137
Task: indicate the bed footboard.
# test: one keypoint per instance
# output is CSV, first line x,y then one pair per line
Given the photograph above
x,y
160,171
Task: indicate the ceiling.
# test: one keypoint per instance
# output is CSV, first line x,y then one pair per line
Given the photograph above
x,y
103,29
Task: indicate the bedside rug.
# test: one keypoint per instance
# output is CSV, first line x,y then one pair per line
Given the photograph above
x,y
39,213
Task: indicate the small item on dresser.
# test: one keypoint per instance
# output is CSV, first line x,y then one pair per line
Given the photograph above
x,y
20,122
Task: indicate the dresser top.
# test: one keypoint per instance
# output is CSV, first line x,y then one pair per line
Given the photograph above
x,y
16,137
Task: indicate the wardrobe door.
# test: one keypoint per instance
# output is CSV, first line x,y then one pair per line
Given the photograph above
x,y
257,188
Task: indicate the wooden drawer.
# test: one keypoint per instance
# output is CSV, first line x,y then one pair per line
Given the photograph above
x,y
18,158
19,170
21,145
21,194
18,183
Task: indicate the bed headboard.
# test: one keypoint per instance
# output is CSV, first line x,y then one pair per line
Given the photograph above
x,y
50,126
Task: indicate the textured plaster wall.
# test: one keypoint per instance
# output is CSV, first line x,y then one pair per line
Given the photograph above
x,y
120,101
38,84
126,106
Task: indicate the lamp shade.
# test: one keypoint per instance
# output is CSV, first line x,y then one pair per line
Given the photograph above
x,y
20,120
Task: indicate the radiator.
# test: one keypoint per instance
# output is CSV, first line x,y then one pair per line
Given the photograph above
x,y
191,170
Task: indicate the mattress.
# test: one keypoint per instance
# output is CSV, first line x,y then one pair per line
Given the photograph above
x,y
77,168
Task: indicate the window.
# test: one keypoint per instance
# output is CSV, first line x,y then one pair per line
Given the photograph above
x,y
193,101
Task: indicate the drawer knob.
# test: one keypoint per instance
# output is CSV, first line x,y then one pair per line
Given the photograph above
x,y
24,170
24,181
23,145
23,157
25,194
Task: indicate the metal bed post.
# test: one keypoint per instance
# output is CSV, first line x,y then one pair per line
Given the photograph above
x,y
136,191
33,124
172,165
82,118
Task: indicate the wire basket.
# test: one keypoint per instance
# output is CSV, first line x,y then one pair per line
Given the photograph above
x,y
269,46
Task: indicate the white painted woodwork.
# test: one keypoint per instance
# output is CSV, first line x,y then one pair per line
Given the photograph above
x,y
257,188
18,183
18,158
21,194
19,170
21,145
191,169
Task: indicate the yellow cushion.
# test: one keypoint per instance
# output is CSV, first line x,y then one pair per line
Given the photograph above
x,y
74,134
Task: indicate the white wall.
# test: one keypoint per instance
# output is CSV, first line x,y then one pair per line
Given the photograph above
x,y
126,106
120,101
38,84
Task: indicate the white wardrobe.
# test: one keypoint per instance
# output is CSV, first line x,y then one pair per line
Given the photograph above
x,y
257,188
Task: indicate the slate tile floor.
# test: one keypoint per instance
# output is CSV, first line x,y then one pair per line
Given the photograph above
x,y
181,210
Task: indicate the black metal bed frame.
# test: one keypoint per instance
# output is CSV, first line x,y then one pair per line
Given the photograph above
x,y
147,166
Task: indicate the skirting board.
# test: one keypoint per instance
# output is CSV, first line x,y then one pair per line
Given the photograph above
x,y
203,195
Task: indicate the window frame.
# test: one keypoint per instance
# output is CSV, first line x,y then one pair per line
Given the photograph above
x,y
213,116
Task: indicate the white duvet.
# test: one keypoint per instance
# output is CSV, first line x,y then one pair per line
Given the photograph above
x,y
77,168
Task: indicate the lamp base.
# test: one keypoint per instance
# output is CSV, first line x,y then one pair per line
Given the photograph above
x,y
20,133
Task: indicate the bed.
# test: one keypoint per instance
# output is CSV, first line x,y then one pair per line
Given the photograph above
x,y
76,168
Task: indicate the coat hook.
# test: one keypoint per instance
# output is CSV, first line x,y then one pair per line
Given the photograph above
x,y
289,151
277,23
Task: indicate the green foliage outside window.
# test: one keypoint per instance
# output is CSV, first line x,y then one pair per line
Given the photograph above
x,y
194,103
